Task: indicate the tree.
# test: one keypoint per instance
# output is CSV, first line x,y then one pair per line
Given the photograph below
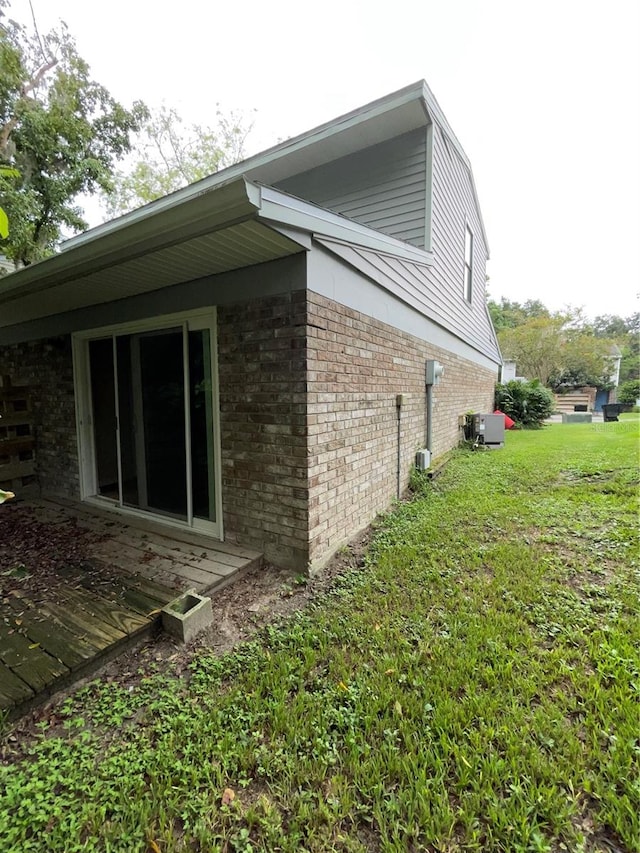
x,y
169,155
535,346
585,361
629,392
626,333
507,315
558,350
614,326
60,129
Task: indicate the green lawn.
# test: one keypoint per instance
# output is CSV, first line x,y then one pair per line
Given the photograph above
x,y
475,687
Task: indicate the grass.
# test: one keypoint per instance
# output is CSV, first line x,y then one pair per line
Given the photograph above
x,y
475,687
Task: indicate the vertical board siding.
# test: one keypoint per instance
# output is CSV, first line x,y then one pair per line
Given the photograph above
x,y
382,186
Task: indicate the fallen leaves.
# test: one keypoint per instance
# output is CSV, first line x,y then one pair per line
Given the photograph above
x,y
228,796
41,556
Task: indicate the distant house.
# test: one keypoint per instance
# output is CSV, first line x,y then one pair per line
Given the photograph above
x,y
229,358
508,373
609,395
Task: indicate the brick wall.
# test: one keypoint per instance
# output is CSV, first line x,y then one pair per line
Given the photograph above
x,y
46,367
297,480
356,367
262,362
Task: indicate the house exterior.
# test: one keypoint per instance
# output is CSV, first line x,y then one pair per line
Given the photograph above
x,y
247,355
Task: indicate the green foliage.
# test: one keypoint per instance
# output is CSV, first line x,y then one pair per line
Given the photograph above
x,y
563,349
559,350
625,331
168,156
528,403
615,327
6,172
586,361
630,362
507,314
629,392
60,129
472,688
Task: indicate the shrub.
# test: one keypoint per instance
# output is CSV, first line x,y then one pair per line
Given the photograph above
x,y
528,403
629,392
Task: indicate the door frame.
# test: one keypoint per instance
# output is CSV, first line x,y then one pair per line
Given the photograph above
x,y
192,321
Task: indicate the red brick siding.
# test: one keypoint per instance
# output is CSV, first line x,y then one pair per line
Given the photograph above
x,y
297,479
46,366
356,367
262,377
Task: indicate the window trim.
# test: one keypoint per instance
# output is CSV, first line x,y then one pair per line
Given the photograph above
x,y
193,320
467,264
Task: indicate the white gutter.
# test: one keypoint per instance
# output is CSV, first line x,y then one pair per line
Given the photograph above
x,y
202,214
276,207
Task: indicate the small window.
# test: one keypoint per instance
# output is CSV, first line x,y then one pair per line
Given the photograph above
x,y
468,262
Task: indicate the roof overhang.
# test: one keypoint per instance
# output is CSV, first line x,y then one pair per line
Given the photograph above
x,y
238,224
226,221
398,113
213,232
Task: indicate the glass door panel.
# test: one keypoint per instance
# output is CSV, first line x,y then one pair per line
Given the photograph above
x,y
103,398
201,418
152,421
130,438
152,396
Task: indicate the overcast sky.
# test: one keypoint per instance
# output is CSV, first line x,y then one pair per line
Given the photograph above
x,y
544,96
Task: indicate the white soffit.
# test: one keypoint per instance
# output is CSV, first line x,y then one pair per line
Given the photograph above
x,y
240,245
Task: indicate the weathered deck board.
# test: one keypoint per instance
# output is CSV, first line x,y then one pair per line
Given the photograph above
x,y
185,535
80,623
133,598
54,639
139,548
106,602
28,661
131,560
106,612
158,592
13,690
198,577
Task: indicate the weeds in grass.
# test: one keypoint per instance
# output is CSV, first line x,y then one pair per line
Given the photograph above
x,y
473,688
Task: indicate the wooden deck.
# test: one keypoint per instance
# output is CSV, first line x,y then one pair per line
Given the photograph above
x,y
105,605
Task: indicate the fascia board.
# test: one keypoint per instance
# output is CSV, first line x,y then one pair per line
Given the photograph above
x,y
278,208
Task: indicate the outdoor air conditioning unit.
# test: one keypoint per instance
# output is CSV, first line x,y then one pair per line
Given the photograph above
x,y
489,430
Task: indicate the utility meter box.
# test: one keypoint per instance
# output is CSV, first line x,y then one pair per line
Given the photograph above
x,y
423,460
433,372
489,430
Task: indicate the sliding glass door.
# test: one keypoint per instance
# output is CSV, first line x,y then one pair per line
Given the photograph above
x,y
150,405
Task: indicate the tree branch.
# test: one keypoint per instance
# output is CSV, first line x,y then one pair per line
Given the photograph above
x,y
35,27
